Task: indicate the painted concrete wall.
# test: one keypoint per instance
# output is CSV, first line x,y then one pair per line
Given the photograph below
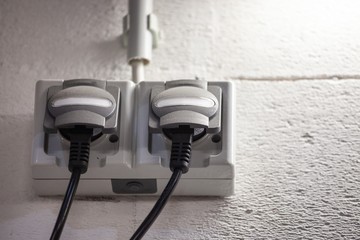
x,y
298,142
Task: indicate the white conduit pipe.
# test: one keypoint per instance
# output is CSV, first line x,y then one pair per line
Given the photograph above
x,y
139,37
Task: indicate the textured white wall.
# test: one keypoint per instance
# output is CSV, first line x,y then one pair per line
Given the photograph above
x,y
298,142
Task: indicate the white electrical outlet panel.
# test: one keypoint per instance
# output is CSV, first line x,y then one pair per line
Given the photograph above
x,y
133,159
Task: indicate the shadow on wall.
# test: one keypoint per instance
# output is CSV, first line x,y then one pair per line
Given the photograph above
x,y
15,172
105,59
109,51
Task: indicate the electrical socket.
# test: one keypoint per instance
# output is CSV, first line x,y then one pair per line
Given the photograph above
x,y
212,166
138,162
110,154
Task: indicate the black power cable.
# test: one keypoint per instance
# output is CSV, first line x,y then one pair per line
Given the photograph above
x,y
159,205
80,138
65,207
179,164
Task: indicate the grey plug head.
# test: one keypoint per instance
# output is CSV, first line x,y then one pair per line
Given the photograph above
x,y
185,102
85,105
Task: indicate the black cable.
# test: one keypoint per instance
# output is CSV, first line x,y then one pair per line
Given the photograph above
x,y
80,138
159,205
66,204
179,164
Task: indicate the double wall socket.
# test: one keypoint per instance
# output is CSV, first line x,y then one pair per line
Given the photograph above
x,y
131,156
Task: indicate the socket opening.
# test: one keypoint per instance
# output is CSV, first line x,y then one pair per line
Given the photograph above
x,y
198,133
65,133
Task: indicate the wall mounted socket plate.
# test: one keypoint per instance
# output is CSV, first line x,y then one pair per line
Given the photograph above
x,y
211,171
134,159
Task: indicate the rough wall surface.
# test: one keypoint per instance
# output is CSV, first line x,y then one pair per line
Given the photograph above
x,y
298,142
